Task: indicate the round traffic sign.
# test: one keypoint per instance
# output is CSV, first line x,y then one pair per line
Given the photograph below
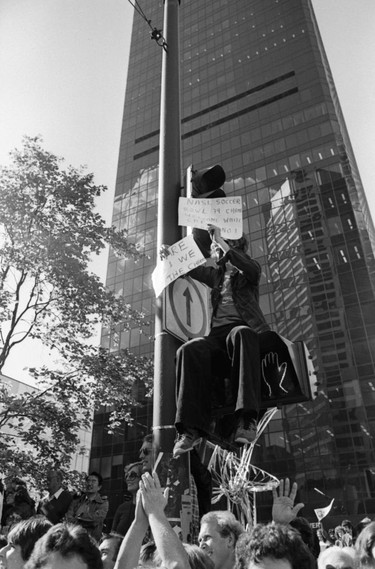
x,y
187,311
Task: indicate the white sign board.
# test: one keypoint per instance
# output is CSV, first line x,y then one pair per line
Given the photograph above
x,y
187,309
225,213
181,258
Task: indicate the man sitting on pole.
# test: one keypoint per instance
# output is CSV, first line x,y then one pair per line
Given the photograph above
x,y
238,327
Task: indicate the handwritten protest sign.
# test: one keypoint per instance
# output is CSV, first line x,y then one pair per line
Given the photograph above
x,y
225,213
182,257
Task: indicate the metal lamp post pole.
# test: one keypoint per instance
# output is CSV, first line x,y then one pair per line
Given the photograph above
x,y
167,228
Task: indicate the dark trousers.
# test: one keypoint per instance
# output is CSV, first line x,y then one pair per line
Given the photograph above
x,y
235,350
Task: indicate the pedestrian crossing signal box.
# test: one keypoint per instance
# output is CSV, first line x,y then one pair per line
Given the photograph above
x,y
287,376
287,373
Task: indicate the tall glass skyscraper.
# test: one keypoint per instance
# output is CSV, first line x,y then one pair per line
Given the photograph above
x,y
257,97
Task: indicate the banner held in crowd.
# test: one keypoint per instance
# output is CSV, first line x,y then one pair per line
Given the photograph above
x,y
225,213
179,259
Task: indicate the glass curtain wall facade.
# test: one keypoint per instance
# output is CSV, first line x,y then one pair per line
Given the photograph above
x,y
257,97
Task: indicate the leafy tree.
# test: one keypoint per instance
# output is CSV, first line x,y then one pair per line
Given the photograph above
x,y
49,231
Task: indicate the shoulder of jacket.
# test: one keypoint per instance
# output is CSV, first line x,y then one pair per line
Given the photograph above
x,y
99,498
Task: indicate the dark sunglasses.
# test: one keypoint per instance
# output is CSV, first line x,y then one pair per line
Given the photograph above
x,y
145,451
132,476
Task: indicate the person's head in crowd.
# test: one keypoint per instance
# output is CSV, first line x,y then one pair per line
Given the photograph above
x,y
348,526
19,505
94,482
109,547
302,525
365,546
133,473
65,546
21,495
21,540
331,533
198,559
273,546
336,557
146,453
149,557
14,485
54,480
11,483
218,536
339,532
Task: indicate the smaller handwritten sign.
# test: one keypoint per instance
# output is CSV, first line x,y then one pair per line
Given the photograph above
x,y
225,213
181,258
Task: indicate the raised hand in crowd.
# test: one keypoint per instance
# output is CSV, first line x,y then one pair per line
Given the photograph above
x,y
128,555
168,544
150,505
283,509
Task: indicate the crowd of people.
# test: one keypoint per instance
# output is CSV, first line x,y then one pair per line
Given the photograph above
x,y
66,532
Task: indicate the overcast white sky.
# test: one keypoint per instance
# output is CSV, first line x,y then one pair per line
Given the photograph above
x,y
63,66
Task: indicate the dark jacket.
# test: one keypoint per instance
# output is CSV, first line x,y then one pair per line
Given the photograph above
x,y
124,517
55,508
245,286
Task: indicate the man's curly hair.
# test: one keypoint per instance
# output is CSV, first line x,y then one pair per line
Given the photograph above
x,y
276,541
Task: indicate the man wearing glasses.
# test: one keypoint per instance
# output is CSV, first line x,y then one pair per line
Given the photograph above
x,y
90,509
